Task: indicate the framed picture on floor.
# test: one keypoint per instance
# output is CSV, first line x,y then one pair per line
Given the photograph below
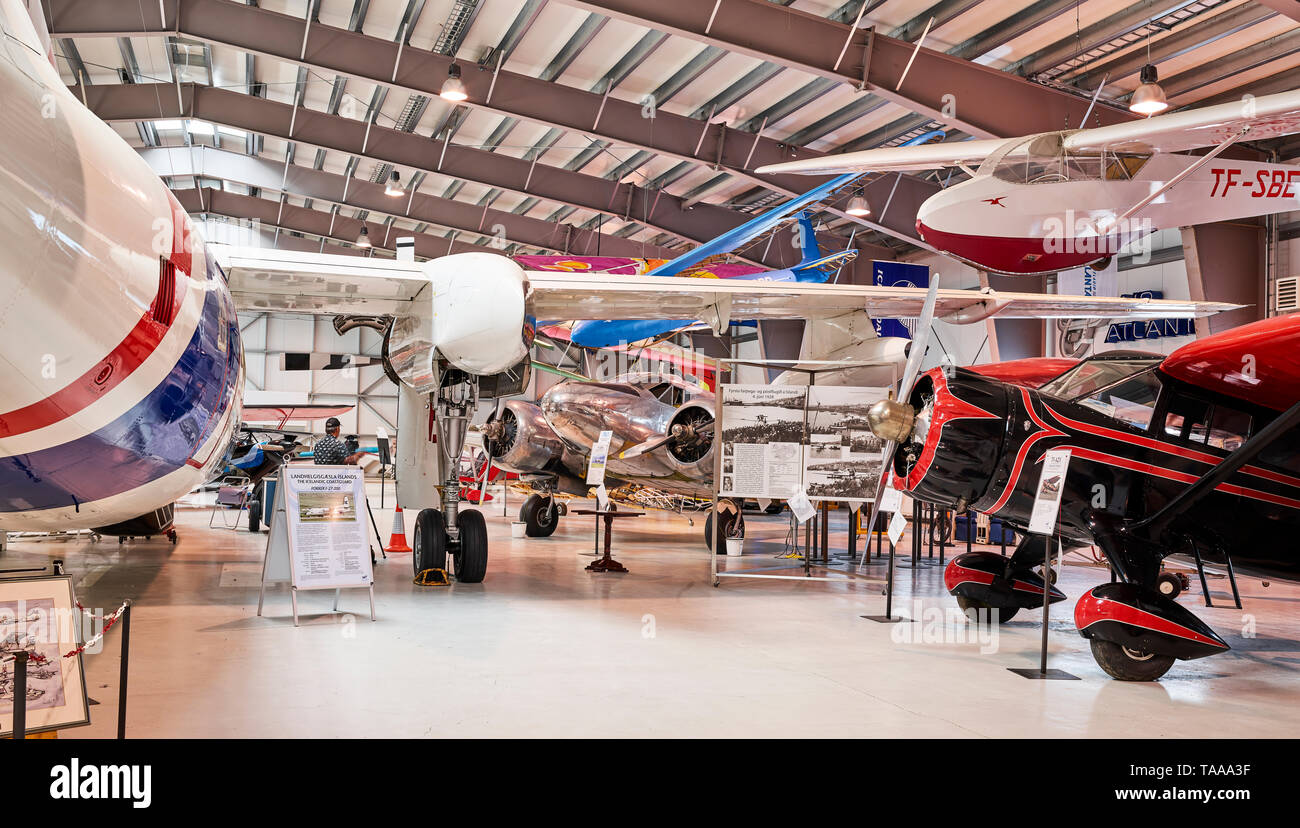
x,y
40,615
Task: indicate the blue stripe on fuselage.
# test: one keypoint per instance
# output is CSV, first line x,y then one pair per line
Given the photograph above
x,y
154,438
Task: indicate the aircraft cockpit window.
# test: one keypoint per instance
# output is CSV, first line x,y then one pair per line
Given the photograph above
x,y
669,393
1090,375
1122,166
1131,401
1199,421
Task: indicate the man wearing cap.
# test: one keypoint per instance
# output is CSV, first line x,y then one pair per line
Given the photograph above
x,y
329,450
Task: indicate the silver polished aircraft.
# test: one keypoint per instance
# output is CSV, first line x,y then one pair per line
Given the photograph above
x,y
662,438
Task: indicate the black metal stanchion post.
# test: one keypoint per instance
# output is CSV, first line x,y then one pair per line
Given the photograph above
x,y
20,694
1042,672
888,617
854,517
122,671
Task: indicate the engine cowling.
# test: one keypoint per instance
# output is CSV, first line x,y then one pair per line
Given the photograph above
x,y
519,440
690,448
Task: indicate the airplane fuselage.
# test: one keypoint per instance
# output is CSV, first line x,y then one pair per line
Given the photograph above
x,y
1024,216
120,360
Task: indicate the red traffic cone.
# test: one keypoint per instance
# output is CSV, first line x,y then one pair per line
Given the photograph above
x,y
397,541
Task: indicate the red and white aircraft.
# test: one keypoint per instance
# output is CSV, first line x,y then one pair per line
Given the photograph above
x,y
121,367
1057,200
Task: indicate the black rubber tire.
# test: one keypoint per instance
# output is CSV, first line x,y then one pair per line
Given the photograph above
x,y
1120,663
541,516
1169,585
255,516
1004,614
728,524
429,543
940,530
472,552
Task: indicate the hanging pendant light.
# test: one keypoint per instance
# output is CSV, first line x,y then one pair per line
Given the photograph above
x,y
453,89
363,239
858,207
394,188
1149,98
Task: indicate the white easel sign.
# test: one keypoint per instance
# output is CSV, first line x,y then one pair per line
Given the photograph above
x,y
1051,485
318,537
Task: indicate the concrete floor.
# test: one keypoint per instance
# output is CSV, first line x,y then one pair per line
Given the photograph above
x,y
544,648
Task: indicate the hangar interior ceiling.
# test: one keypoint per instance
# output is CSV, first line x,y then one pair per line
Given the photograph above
x,y
287,117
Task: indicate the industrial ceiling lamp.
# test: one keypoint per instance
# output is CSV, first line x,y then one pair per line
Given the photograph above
x,y
394,187
452,88
858,207
1149,98
363,240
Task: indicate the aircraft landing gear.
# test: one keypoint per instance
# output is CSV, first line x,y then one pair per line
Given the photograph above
x,y
989,581
1171,584
462,534
1121,662
541,514
733,522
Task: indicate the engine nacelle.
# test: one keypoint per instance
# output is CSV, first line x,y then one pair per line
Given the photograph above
x,y
691,449
475,318
519,440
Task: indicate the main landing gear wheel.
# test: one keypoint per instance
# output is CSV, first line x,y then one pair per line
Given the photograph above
x,y
730,517
1003,614
1127,664
541,516
1169,584
429,547
471,553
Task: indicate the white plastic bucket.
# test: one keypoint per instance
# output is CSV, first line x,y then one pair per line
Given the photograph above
x,y
518,529
735,547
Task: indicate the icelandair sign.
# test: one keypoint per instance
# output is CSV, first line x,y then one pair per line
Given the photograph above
x,y
1149,328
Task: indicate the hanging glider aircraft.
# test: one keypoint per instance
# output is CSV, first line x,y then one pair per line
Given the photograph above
x,y
121,366
1057,200
1194,454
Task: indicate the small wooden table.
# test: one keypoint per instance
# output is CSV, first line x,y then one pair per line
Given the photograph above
x,y
606,563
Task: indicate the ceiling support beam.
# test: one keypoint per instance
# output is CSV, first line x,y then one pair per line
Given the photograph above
x,y
661,211
353,54
287,217
949,89
461,216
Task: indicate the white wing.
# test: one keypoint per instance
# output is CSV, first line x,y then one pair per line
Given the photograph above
x,y
556,295
324,284
262,279
922,157
1268,116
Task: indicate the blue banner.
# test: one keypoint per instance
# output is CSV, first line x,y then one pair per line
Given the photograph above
x,y
897,274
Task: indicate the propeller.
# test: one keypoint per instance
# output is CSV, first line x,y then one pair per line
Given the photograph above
x,y
892,419
693,430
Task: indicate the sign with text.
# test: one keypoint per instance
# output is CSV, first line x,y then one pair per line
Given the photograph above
x,y
1051,485
318,537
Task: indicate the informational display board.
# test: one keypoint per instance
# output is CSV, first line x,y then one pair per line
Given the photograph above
x,y
778,441
319,537
1051,484
599,458
40,615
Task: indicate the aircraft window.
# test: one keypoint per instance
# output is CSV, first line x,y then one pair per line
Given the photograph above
x,y
1229,428
667,392
1188,419
1131,401
1123,166
1090,375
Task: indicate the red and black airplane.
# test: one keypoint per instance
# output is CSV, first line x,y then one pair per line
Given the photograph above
x,y
1192,454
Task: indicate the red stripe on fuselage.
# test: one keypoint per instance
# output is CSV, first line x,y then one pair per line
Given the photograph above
x,y
1045,430
140,342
